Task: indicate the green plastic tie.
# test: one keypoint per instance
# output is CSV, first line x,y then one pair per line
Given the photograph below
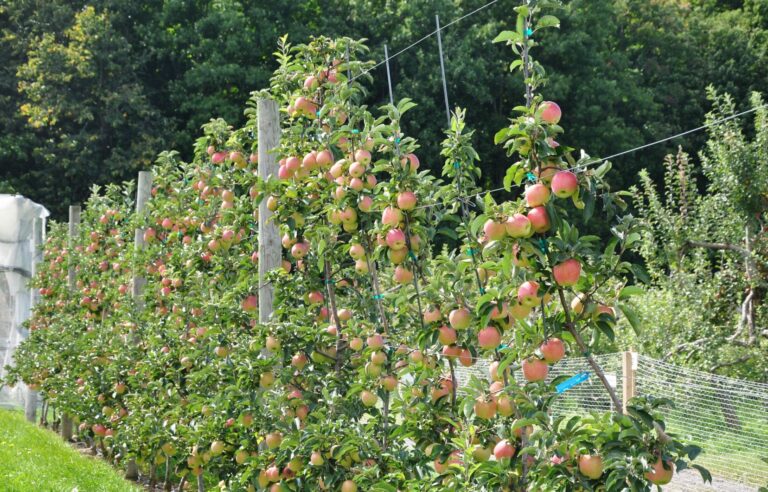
x,y
411,255
470,252
531,177
397,140
456,165
378,296
482,291
543,245
355,131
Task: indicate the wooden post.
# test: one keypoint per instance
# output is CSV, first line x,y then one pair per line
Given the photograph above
x,y
74,230
143,192
628,379
30,403
270,252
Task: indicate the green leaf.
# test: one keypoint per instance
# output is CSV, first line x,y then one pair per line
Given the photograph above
x,y
631,315
548,21
500,135
507,36
631,290
705,475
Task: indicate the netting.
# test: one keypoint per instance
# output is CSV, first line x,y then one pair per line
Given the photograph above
x,y
727,417
22,226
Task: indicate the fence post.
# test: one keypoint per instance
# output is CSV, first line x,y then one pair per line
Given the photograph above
x,y
30,403
143,192
270,252
74,230
628,379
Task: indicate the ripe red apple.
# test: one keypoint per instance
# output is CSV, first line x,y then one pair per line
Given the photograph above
x,y
465,358
453,459
356,169
535,369
315,297
550,112
406,200
518,226
539,219
591,466
391,217
527,293
564,184
567,273
379,358
503,449
460,318
365,204
324,158
300,250
493,230
299,361
536,195
376,342
447,335
553,350
489,338
658,474
395,239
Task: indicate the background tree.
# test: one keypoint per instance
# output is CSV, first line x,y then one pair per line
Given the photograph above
x,y
707,253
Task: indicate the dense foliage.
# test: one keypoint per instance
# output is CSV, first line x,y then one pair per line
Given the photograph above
x,y
93,90
351,383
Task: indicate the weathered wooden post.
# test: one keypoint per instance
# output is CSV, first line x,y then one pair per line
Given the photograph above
x,y
628,378
269,236
74,230
143,192
30,403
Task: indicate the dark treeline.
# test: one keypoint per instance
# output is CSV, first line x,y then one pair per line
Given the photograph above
x,y
92,91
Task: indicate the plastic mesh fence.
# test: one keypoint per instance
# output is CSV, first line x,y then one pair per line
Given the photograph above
x,y
727,417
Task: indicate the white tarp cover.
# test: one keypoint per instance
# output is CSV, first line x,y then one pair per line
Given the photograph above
x,y
22,225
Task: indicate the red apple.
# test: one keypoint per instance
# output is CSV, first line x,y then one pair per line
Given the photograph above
x,y
535,369
536,195
391,217
485,409
518,226
406,200
591,466
564,184
567,273
489,338
658,474
539,219
503,449
493,230
550,112
460,318
527,294
447,335
396,239
553,350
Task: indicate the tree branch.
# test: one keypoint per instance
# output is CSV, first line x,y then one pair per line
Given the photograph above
x,y
740,360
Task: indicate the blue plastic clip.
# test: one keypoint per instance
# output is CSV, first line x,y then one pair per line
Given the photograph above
x,y
529,32
571,382
397,140
378,296
543,245
355,131
456,165
531,177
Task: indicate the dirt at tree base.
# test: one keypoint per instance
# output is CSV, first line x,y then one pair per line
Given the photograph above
x,y
690,481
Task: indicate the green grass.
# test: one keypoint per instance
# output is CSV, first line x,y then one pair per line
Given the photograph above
x,y
35,459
